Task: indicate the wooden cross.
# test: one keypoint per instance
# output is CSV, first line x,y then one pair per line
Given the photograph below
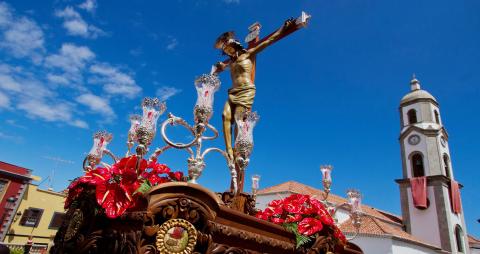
x,y
253,38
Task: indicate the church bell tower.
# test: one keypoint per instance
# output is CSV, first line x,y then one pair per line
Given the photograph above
x,y
428,175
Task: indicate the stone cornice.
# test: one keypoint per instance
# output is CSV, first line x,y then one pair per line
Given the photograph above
x,y
431,180
427,132
419,100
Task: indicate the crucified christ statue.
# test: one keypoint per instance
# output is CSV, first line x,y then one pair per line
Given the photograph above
x,y
241,62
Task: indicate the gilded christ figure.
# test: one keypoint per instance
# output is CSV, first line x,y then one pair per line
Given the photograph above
x,y
241,63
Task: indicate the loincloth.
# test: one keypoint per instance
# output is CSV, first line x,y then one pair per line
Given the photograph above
x,y
242,95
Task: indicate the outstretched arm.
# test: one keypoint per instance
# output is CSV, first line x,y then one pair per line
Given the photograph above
x,y
287,28
220,66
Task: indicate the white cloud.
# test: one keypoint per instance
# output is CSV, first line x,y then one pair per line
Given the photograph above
x,y
52,88
88,5
5,15
9,84
114,81
21,36
4,101
57,79
71,58
136,51
14,138
50,111
15,124
172,44
76,25
80,124
165,92
96,104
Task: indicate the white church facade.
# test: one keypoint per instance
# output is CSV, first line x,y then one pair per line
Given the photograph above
x,y
432,220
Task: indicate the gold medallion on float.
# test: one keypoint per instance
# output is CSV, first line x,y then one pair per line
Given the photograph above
x,y
176,236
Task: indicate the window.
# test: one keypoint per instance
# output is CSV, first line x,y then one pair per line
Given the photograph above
x,y
417,165
31,217
459,238
412,116
446,161
57,220
437,116
3,187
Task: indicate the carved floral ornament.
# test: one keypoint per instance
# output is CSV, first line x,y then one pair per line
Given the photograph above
x,y
176,236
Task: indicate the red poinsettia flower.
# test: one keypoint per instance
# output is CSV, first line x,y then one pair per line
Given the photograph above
x,y
154,179
326,218
293,218
160,169
337,233
309,226
116,186
176,176
115,193
72,195
92,177
293,207
114,198
317,204
278,220
275,203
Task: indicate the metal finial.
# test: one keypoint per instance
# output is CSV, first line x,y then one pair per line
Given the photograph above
x,y
414,83
414,79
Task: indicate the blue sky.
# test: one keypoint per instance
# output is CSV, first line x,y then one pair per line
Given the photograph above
x,y
326,94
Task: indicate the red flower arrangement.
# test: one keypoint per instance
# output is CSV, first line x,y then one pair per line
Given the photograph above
x,y
117,188
304,216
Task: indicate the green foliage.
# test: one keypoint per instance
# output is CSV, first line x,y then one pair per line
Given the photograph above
x,y
16,251
144,188
301,239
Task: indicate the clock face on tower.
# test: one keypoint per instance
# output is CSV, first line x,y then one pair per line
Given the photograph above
x,y
414,139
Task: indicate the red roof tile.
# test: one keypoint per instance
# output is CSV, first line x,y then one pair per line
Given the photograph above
x,y
374,226
473,242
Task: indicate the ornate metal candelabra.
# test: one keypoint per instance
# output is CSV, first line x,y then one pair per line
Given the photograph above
x,y
255,185
353,204
206,86
143,130
100,141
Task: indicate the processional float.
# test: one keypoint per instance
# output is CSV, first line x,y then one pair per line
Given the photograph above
x,y
138,205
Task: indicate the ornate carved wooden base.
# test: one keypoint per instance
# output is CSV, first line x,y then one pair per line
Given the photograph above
x,y
177,218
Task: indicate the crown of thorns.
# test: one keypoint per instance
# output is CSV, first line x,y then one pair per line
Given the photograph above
x,y
227,38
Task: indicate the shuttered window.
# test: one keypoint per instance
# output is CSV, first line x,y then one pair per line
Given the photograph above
x,y
57,220
31,217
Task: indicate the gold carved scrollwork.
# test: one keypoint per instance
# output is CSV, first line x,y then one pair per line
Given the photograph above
x,y
176,236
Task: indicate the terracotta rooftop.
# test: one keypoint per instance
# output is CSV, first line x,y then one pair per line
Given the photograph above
x,y
374,226
300,188
473,242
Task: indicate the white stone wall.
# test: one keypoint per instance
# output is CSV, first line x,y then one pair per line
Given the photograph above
x,y
402,247
474,250
264,199
424,223
387,245
374,245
